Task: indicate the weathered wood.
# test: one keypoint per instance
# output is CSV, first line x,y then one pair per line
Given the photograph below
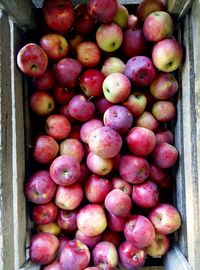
x,y
179,8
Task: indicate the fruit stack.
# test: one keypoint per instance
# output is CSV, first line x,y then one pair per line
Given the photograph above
x,y
101,105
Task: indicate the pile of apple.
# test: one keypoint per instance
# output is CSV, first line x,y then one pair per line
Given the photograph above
x,y
102,104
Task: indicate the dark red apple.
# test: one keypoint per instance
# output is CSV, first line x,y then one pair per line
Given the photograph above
x,y
89,241
45,82
41,103
164,135
102,104
44,213
62,95
85,173
67,219
112,237
115,223
73,148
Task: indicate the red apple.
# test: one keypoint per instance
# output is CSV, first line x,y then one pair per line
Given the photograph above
x,y
88,54
88,127
67,219
136,103
98,165
73,148
63,240
41,103
46,81
85,173
102,104
112,237
164,111
133,22
159,246
44,213
119,183
156,173
147,120
62,95
89,241
148,6
115,223
112,65
55,265
75,132
52,228
164,135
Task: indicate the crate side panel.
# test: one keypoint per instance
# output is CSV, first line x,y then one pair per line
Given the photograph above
x,y
179,8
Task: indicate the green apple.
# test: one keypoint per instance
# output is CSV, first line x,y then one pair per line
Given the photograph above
x,y
121,17
113,65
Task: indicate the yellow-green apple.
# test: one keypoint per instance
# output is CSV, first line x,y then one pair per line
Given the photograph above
x,y
103,10
165,218
164,110
118,182
112,237
141,141
115,223
119,118
136,103
163,86
164,135
65,170
55,265
159,246
167,55
109,37
140,70
91,219
147,120
164,155
116,87
148,6
88,127
102,104
44,213
73,148
70,197
58,15
55,46
89,241
98,165
40,188
105,142
105,255
62,95
52,228
74,256
121,16
113,65
91,82
32,60
139,231
43,248
66,220
88,54
45,82
133,169
41,103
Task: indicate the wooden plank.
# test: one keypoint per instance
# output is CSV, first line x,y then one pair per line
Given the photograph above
x,y
179,8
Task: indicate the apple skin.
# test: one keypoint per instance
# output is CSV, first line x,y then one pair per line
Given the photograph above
x,y
157,26
62,95
51,227
40,188
134,43
115,223
88,127
105,142
105,256
130,257
116,87
89,241
165,218
119,183
112,237
102,104
44,213
88,54
121,17
149,6
140,70
163,86
45,149
139,231
96,188
55,46
98,165
63,240
65,170
43,247
164,155
112,65
146,194
133,22
67,72
141,141
32,60
73,148
156,173
120,207
91,82
136,103
74,40
167,55
109,37
164,135
66,220
159,246
45,82
147,120
97,9
70,197
55,265
91,219
119,118
133,169
41,103
92,268
58,15
164,110
74,256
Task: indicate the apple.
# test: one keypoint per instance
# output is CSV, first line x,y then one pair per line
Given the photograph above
x,y
109,37
43,248
91,82
74,40
139,231
62,95
120,207
91,219
89,241
74,256
64,110
133,169
44,213
121,17
147,120
73,148
133,22
55,46
140,70
51,227
141,141
41,103
88,54
105,142
70,197
159,246
112,237
65,170
55,265
115,223
149,6
88,127
58,15
92,268
96,188
102,104
63,240
67,72
157,26
44,82
119,183
156,173
40,188
45,149
164,110
165,218
134,43
98,165
136,103
131,257
119,118
103,10
75,132
112,65
167,55
81,109
164,135
32,60
66,220
116,87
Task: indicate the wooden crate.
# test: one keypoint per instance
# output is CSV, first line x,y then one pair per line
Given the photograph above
x,y
15,18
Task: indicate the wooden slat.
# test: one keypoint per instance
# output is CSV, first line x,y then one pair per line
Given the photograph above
x,y
179,7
